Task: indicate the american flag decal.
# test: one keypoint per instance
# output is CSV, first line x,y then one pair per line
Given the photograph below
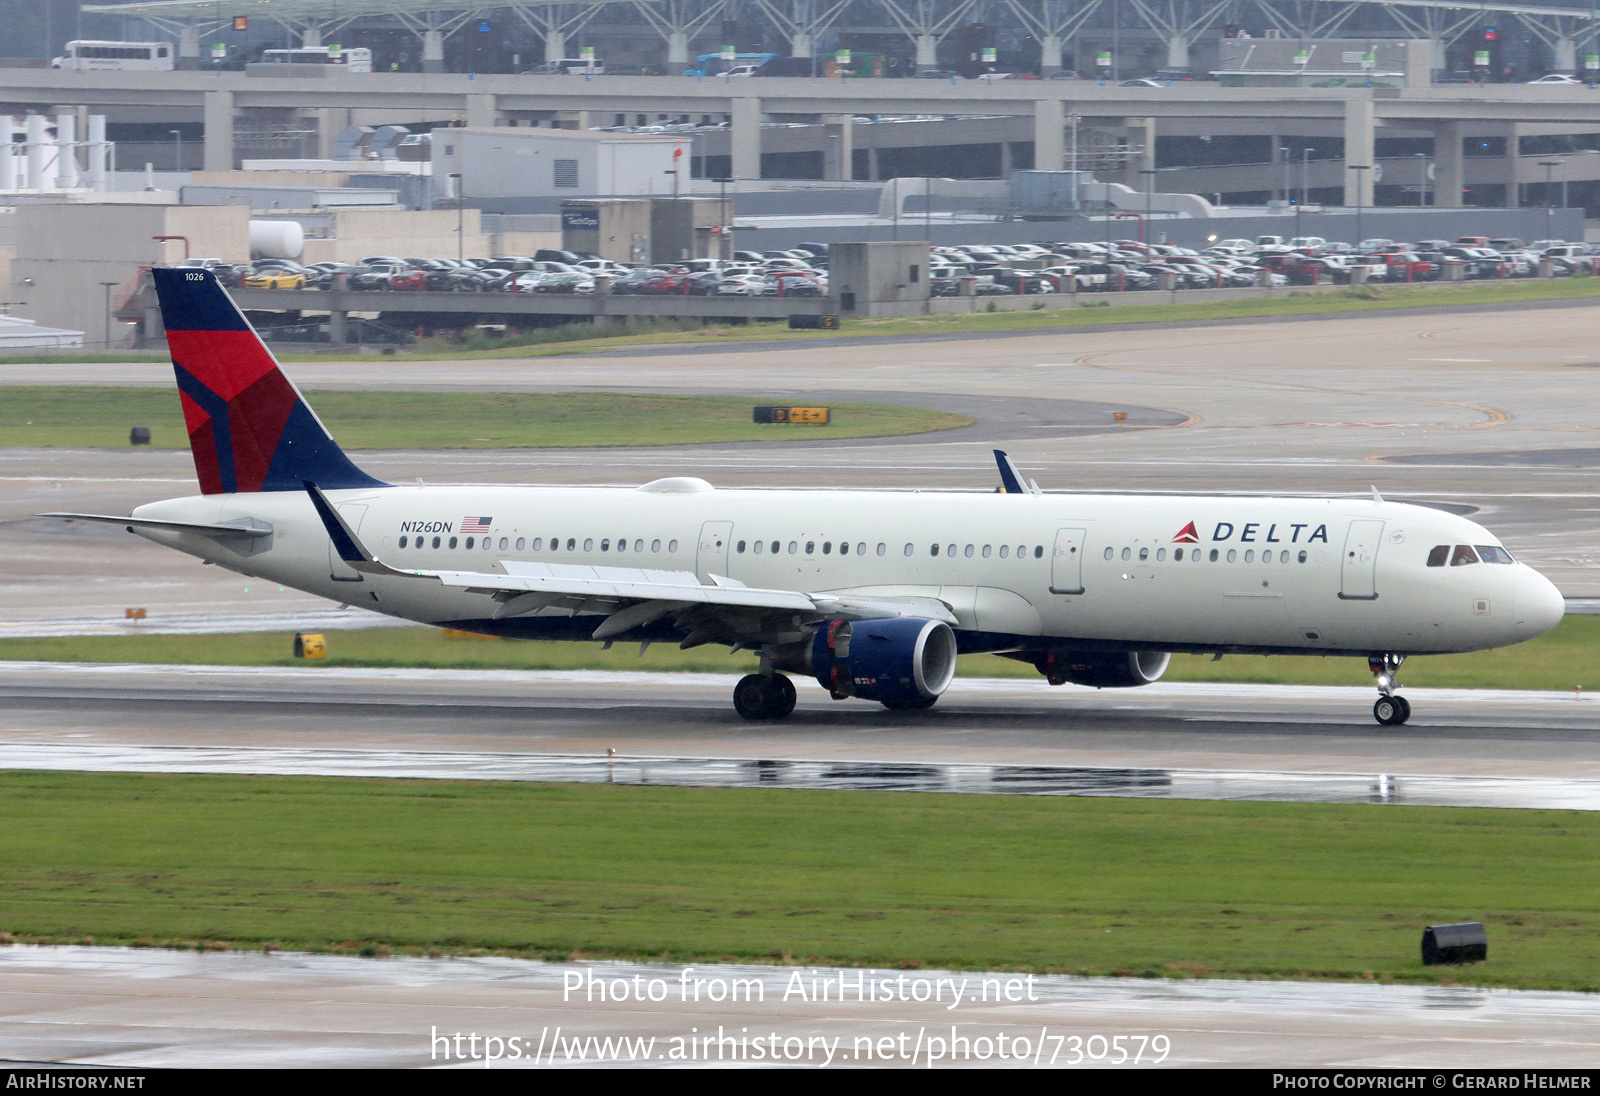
x,y
476,525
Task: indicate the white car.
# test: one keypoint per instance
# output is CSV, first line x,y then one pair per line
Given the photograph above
x,y
1556,78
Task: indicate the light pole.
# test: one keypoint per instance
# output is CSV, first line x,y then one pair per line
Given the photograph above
x,y
1358,169
177,146
107,287
722,215
1286,157
1549,183
1149,189
1305,176
1422,179
1074,119
461,231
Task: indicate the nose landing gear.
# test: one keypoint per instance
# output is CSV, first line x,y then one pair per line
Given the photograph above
x,y
1391,709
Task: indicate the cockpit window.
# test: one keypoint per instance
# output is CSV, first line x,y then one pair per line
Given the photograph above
x,y
1493,553
1437,557
1463,555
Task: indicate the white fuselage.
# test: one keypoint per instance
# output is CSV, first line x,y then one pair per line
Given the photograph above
x,y
1154,573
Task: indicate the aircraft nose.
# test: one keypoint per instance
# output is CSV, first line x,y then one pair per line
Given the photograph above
x,y
1539,606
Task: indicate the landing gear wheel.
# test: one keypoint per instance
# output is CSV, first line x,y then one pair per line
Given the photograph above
x,y
910,703
770,697
750,697
780,697
1391,710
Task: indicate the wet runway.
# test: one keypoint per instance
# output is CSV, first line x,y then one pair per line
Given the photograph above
x,y
482,723
107,1006
878,776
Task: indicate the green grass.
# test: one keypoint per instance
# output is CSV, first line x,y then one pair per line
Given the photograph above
x,y
579,339
886,880
52,417
1283,303
1560,660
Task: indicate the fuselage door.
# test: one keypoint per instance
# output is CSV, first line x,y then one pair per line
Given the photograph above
x,y
711,557
1358,574
1066,565
338,569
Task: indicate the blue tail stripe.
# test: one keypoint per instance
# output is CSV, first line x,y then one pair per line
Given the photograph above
x,y
221,432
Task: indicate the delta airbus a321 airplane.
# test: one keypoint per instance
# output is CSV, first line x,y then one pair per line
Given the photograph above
x,y
873,594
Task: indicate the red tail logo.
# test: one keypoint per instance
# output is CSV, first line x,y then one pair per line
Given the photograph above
x,y
1187,535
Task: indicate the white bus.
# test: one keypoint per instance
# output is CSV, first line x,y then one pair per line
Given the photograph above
x,y
353,60
95,56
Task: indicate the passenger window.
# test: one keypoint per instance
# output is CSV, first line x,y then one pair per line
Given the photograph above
x,y
811,547
739,547
486,544
1177,555
793,547
1214,555
827,548
538,543
672,546
1161,554
1440,553
759,545
1249,555
969,551
985,551
1302,557
402,542
655,545
1144,554
950,551
452,542
469,542
1038,551
588,544
908,550
520,543
844,547
605,544
1463,556
1127,553
1233,554
933,549
572,544
638,545
1005,550
436,542
774,547
504,544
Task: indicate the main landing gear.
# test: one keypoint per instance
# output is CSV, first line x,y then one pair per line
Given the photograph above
x,y
764,696
1391,709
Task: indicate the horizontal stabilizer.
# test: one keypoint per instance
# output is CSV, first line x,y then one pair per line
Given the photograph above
x,y
243,527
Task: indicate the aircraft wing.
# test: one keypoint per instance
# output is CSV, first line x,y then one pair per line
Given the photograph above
x,y
632,597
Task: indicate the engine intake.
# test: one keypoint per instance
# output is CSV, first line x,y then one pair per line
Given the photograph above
x,y
1104,669
895,660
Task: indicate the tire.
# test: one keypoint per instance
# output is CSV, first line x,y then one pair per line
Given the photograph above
x,y
780,697
751,697
1388,711
1405,709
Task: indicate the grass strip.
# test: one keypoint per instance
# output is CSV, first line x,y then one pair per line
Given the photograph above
x,y
100,417
1092,309
888,880
1563,659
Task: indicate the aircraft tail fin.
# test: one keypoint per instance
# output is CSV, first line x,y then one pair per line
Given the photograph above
x,y
250,429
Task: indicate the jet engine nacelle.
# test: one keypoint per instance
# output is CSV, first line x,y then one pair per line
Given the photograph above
x,y
1104,669
897,660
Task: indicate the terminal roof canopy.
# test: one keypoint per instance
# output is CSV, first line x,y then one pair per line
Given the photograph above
x,y
305,10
